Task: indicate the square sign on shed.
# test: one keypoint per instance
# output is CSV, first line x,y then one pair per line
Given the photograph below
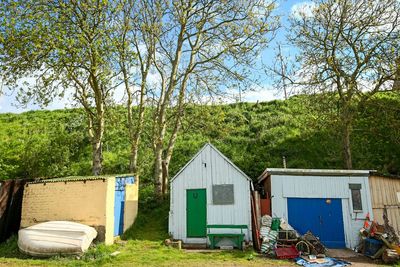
x,y
223,194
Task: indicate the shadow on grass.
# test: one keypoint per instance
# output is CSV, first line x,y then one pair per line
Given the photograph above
x,y
9,249
151,223
97,254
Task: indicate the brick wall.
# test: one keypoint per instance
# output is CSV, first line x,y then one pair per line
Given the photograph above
x,y
79,201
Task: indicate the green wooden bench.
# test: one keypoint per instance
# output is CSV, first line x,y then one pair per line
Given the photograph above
x,y
238,237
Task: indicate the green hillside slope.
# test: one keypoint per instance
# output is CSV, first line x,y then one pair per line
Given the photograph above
x,y
254,135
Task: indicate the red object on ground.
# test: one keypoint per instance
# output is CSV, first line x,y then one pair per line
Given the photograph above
x,y
265,206
366,222
286,253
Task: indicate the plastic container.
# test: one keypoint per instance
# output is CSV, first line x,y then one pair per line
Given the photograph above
x,y
371,246
286,253
276,223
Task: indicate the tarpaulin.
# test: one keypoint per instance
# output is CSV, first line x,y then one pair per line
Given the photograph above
x,y
330,262
11,193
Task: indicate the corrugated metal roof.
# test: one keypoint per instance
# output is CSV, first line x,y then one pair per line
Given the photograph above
x,y
312,172
393,176
77,178
69,179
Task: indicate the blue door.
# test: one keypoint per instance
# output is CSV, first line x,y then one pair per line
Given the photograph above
x,y
323,217
119,203
119,212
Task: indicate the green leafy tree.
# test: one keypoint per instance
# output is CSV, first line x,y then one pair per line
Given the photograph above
x,y
203,49
137,35
346,48
62,48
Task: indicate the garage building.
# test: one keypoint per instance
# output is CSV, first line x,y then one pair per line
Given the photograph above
x,y
331,203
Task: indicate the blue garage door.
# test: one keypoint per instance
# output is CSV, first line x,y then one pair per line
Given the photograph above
x,y
323,217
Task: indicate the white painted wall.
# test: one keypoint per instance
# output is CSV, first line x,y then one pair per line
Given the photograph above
x,y
296,186
207,168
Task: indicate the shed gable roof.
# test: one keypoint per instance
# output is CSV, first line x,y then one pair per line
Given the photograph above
x,y
219,153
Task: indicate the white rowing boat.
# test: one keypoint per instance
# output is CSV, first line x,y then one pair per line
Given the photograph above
x,y
55,238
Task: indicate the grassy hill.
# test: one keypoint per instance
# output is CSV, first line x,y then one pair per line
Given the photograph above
x,y
254,135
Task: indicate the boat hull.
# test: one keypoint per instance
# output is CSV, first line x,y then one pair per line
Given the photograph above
x,y
56,238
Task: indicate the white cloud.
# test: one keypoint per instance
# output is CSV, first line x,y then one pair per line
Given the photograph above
x,y
261,95
258,94
303,8
9,103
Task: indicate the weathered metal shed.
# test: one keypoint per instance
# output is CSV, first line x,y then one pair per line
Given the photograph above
x,y
331,203
209,190
385,194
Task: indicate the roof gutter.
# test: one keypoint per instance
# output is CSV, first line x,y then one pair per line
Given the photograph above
x,y
313,172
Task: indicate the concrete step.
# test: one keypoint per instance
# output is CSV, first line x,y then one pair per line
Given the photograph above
x,y
194,246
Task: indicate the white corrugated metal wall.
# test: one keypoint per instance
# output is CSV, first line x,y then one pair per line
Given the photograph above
x,y
197,175
296,186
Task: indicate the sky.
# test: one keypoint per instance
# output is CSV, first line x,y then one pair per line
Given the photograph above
x,y
265,92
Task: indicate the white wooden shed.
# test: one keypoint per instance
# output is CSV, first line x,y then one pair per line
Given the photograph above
x,y
209,190
332,204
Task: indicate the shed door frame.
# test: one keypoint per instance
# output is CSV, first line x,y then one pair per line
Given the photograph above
x,y
196,213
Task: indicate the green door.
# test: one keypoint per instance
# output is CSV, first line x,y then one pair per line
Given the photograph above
x,y
196,212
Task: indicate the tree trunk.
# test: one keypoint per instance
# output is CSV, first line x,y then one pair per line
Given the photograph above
x,y
177,126
165,177
97,157
396,82
139,124
158,175
161,116
347,121
96,139
346,146
173,137
134,158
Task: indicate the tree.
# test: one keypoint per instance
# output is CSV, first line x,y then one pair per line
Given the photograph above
x,y
62,46
139,26
347,48
396,82
203,49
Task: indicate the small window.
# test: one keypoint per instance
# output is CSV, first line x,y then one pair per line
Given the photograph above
x,y
356,197
223,194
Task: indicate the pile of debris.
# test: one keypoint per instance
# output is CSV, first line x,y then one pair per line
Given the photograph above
x,y
268,235
282,241
277,235
379,241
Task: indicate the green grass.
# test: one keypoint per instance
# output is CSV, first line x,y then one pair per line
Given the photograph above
x,y
151,223
146,253
142,245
